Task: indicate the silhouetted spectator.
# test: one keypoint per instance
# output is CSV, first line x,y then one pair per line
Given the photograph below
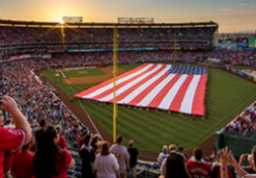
x,y
50,160
133,153
86,155
175,167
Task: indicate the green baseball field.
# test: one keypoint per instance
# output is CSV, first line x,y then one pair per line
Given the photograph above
x,y
227,96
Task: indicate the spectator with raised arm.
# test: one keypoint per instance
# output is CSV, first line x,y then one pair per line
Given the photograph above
x,y
13,139
227,157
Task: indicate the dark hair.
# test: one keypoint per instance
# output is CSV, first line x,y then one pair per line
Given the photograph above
x,y
198,154
215,173
180,149
26,147
58,129
175,166
42,123
119,139
105,148
94,141
48,156
86,139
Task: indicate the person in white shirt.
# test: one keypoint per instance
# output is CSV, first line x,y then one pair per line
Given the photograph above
x,y
106,164
163,155
122,156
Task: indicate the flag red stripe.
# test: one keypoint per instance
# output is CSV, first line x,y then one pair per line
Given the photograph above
x,y
199,97
143,94
86,92
141,86
158,98
109,91
176,103
127,92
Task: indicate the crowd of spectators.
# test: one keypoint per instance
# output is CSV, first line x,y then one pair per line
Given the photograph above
x,y
43,109
105,58
140,37
46,154
218,165
37,101
245,123
55,130
57,39
242,57
224,57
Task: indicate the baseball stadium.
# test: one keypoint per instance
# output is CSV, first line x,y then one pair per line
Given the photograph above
x,y
158,86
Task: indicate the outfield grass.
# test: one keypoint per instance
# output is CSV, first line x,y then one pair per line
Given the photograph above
x,y
227,95
84,72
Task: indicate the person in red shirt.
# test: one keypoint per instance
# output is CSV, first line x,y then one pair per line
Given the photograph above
x,y
50,161
197,167
22,163
8,157
12,139
61,138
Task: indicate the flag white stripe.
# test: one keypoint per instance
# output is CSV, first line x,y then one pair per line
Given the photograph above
x,y
144,86
166,102
119,81
129,85
149,98
152,84
187,102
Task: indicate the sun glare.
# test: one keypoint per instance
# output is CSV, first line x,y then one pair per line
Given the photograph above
x,y
61,21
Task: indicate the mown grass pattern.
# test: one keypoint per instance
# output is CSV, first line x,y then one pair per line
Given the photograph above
x,y
84,72
227,95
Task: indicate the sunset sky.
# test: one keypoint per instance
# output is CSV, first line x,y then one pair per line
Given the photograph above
x,y
232,15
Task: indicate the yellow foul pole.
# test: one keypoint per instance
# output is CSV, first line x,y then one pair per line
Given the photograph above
x,y
115,70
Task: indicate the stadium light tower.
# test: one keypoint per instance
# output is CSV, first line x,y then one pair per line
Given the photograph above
x,y
115,70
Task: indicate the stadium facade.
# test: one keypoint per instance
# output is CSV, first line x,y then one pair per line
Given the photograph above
x,y
22,37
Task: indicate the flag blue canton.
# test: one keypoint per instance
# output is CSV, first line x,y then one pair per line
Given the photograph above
x,y
190,70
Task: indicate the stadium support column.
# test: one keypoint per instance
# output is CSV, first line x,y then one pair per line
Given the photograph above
x,y
115,69
173,45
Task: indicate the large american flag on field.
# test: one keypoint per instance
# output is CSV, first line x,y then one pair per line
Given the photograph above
x,y
177,88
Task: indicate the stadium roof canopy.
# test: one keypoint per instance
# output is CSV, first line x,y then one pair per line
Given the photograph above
x,y
14,23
